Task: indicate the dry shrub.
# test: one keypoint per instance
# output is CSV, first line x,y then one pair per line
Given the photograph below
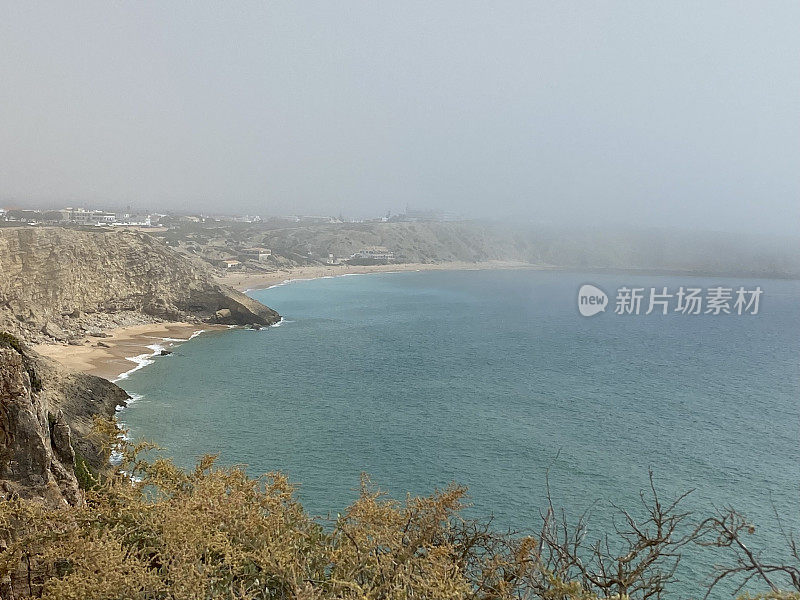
x,y
152,531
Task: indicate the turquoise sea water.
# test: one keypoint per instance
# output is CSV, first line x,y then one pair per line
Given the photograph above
x,y
487,378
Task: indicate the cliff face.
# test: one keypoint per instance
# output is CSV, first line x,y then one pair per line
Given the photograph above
x,y
57,283
46,417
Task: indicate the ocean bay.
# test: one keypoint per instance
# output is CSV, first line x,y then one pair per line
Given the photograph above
x,y
490,379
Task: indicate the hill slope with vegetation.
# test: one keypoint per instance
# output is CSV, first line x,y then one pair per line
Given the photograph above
x,y
472,241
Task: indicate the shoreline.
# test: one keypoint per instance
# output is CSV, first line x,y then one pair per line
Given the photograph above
x,y
125,349
245,282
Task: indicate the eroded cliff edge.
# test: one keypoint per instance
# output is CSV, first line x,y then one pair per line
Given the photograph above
x,y
58,284
46,421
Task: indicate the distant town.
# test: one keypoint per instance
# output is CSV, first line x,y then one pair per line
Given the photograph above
x,y
241,243
130,218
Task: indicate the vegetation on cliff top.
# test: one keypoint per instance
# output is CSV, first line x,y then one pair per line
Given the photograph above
x,y
150,530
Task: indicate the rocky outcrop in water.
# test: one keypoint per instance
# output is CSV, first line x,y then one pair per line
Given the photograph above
x,y
59,284
46,421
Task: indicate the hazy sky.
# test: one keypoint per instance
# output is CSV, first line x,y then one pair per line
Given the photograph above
x,y
636,112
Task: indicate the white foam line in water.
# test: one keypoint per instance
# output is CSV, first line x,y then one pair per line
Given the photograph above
x,y
281,322
257,329
143,360
116,455
133,398
191,337
288,281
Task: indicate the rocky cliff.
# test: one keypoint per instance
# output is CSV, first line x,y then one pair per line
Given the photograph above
x,y
59,284
46,421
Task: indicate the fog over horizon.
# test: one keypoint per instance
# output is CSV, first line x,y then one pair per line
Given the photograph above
x,y
675,114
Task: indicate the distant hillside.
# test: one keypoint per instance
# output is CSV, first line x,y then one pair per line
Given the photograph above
x,y
411,242
58,283
433,242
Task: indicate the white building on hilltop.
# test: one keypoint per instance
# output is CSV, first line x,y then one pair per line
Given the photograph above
x,y
81,216
258,254
374,253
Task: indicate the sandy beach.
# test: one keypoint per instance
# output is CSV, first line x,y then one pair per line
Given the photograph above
x,y
110,357
250,281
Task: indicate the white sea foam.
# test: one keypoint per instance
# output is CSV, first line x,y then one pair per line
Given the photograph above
x,y
116,456
133,399
141,360
177,340
281,322
274,285
288,281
